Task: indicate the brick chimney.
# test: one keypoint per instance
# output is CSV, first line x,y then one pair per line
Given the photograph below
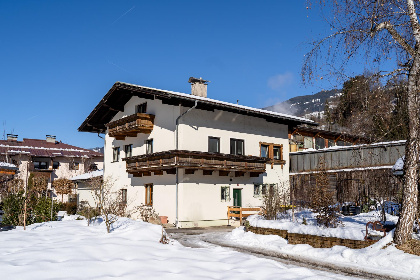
x,y
198,86
50,138
12,137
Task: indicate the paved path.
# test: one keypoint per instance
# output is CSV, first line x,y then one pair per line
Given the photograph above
x,y
212,236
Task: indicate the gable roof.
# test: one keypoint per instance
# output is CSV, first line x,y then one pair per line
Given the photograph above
x,y
42,148
121,93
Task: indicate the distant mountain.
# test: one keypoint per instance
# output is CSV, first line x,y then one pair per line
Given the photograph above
x,y
305,105
98,149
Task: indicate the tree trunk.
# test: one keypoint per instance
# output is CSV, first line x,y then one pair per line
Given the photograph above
x,y
410,192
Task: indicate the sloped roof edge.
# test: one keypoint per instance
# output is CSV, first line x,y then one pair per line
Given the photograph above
x,y
120,93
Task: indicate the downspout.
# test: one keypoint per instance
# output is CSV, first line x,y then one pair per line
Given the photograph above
x,y
176,168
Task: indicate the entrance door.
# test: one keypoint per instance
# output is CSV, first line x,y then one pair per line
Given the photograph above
x,y
237,197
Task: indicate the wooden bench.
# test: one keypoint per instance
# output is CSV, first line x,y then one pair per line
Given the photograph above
x,y
238,212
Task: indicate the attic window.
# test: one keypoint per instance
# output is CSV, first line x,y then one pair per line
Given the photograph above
x,y
141,108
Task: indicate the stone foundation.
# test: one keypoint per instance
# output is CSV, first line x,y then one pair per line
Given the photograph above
x,y
313,240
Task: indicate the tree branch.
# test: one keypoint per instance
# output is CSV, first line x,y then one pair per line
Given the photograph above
x,y
397,37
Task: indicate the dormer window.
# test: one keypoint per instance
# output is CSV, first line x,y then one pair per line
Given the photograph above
x,y
141,108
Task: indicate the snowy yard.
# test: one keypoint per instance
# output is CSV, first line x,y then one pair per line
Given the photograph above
x,y
71,250
376,259
352,227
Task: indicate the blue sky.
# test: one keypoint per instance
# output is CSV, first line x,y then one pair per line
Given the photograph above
x,y
59,58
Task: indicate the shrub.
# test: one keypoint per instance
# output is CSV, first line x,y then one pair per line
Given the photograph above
x,y
13,205
41,211
275,201
69,207
90,213
323,200
147,213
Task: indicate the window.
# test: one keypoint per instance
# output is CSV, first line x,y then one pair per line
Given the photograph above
x,y
225,193
276,152
237,147
116,154
93,167
319,143
128,150
149,146
264,151
271,151
257,190
72,198
40,165
141,108
214,145
148,191
74,166
124,196
56,164
264,189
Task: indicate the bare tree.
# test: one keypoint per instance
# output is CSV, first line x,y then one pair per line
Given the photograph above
x,y
377,31
108,200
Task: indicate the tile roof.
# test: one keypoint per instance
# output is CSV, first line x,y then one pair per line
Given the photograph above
x,y
42,148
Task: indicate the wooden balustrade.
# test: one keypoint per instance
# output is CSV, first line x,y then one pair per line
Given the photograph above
x,y
131,125
195,161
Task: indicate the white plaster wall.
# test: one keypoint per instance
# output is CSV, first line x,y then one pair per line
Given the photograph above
x,y
163,136
199,195
84,193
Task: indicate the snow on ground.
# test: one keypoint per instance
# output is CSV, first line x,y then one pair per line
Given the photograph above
x,y
70,249
352,227
375,258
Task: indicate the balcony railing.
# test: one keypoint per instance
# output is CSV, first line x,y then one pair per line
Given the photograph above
x,y
131,125
190,161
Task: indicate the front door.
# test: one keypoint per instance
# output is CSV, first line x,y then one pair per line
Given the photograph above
x,y
237,197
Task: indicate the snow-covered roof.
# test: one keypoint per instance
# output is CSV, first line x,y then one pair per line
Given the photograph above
x,y
88,175
7,165
206,99
121,93
43,148
390,143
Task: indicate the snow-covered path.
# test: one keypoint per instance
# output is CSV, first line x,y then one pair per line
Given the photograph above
x,y
72,250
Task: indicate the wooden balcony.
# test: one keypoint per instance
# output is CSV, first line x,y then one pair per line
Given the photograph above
x,y
131,125
191,161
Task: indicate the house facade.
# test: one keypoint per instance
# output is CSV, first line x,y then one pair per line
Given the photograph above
x,y
49,158
190,156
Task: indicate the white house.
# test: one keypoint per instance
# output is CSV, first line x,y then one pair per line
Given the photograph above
x,y
83,189
187,155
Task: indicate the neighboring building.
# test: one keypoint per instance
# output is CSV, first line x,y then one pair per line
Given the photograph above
x,y
85,195
303,137
356,173
49,157
189,156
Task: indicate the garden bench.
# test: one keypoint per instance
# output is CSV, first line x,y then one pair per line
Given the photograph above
x,y
238,212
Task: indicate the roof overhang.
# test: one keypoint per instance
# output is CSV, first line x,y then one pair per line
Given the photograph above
x,y
120,93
